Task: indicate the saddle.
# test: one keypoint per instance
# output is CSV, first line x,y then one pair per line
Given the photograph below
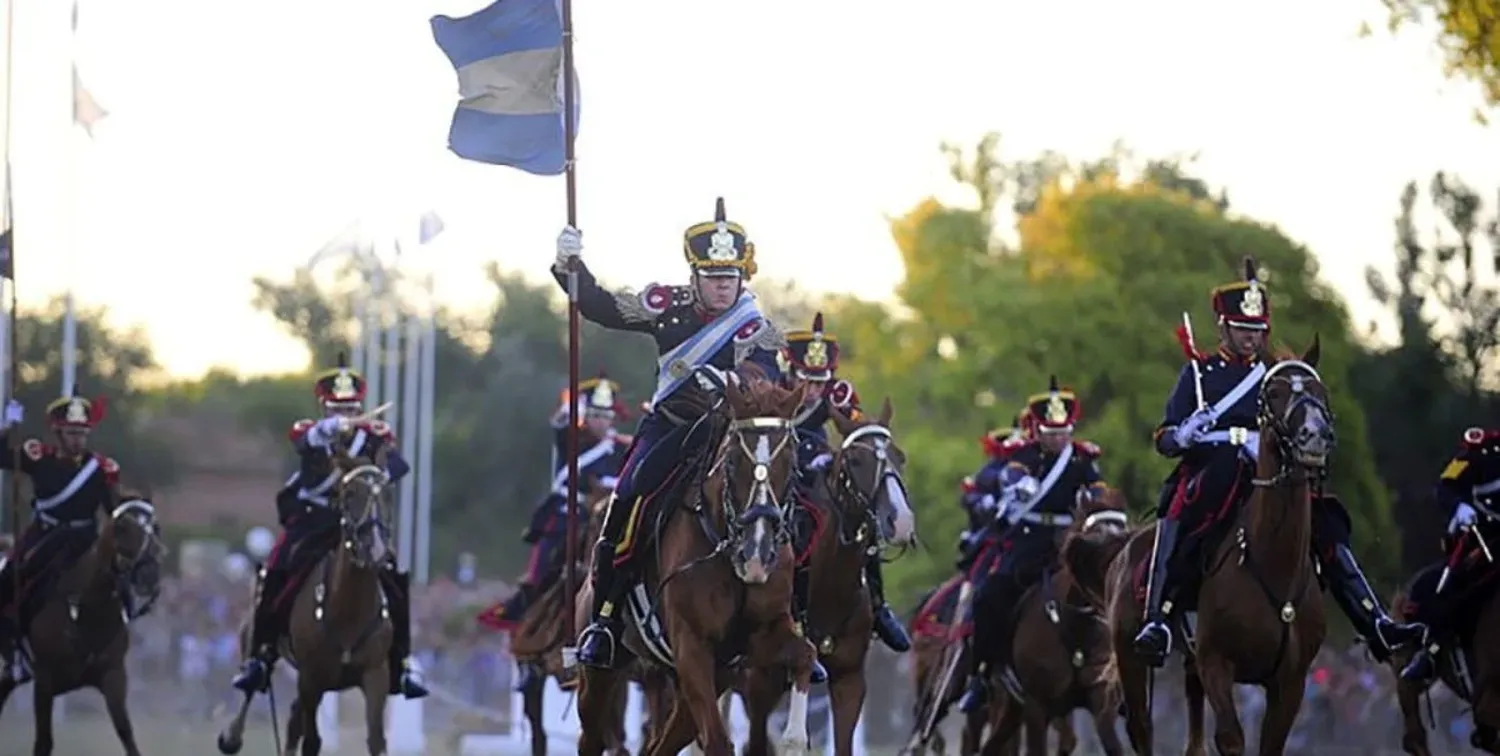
x,y
299,563
935,613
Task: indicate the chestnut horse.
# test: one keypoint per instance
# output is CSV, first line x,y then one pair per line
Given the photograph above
x,y
339,632
1259,611
722,578
1060,646
861,505
78,638
1470,668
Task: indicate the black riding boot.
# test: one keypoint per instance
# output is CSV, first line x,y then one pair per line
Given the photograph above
x,y
989,646
1437,612
887,627
801,585
406,674
596,645
10,629
1363,608
255,674
1154,642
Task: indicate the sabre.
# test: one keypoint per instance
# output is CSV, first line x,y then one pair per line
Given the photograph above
x,y
1458,551
1479,538
1187,326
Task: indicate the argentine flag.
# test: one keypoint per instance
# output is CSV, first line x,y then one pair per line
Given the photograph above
x,y
509,60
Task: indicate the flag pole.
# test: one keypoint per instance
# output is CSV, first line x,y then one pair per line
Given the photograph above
x,y
12,376
570,578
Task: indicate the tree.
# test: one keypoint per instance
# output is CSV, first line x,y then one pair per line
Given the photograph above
x,y
114,364
1109,255
1468,34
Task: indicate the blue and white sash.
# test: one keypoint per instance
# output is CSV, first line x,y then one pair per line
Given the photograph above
x,y
594,454
1250,381
677,364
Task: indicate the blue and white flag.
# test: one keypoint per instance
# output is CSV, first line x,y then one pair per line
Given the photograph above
x,y
509,60
428,227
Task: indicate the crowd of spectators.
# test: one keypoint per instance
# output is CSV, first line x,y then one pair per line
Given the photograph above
x,y
185,651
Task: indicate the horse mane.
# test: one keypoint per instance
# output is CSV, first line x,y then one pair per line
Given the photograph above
x,y
763,397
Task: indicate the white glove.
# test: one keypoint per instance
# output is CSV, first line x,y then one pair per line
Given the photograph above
x,y
985,504
324,431
1192,429
569,246
14,413
1463,516
820,462
1025,488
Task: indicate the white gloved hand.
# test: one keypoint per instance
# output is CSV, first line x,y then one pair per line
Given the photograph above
x,y
14,413
1025,488
324,431
985,504
1192,429
569,247
820,462
1463,516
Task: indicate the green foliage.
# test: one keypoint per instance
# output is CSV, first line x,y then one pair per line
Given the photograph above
x,y
1104,269
1468,33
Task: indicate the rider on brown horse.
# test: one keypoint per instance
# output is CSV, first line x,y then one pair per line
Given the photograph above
x,y
1034,493
70,483
1214,438
998,445
712,326
1470,487
311,527
811,359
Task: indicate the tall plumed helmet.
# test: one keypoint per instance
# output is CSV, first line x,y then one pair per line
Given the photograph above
x,y
1245,303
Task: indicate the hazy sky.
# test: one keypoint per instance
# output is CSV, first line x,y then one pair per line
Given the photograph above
x,y
242,136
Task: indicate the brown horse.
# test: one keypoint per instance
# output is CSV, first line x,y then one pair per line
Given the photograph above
x,y
1259,611
932,653
718,613
539,639
861,505
1060,647
339,632
78,638
1471,669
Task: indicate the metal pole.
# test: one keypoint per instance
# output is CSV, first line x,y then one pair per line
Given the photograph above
x,y
375,311
69,347
13,375
357,344
427,388
570,577
409,430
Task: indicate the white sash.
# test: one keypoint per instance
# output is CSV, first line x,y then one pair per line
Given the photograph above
x,y
598,452
76,483
1250,381
1058,466
677,364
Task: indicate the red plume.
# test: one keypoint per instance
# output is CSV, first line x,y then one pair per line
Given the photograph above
x,y
993,447
1186,340
97,410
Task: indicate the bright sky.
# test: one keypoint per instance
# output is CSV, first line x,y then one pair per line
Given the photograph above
x,y
243,136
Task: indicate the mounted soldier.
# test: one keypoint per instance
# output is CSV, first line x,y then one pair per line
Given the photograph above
x,y
1035,493
1209,426
311,527
811,359
70,485
601,454
705,333
1470,488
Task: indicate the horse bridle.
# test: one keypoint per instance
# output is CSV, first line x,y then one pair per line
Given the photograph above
x,y
127,567
1287,470
763,499
347,523
877,439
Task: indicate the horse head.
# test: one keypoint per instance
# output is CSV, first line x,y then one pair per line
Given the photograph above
x,y
1295,419
1099,509
138,548
867,469
749,483
364,508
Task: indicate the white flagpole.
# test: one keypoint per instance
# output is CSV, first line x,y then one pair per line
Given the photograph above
x,y
408,407
69,344
427,387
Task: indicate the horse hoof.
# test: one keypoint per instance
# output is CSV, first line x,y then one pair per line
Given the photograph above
x,y
795,747
228,746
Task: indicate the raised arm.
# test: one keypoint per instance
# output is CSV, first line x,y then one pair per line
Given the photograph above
x,y
622,310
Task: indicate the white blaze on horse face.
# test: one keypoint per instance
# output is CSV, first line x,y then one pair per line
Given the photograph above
x,y
763,450
906,521
755,570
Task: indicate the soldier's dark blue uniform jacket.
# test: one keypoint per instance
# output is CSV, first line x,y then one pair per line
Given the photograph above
x,y
599,463
1231,387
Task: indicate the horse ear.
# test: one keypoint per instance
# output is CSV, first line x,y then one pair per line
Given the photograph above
x,y
886,412
793,402
1314,351
734,397
841,420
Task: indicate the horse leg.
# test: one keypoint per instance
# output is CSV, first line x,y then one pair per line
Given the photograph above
x,y
531,705
232,737
676,733
1135,685
7,687
971,733
376,687
1413,733
761,693
615,740
114,688
846,694
308,700
1067,740
1217,676
794,738
1037,722
42,697
697,692
294,728
1283,701
1006,721
1104,710
595,691
1192,690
